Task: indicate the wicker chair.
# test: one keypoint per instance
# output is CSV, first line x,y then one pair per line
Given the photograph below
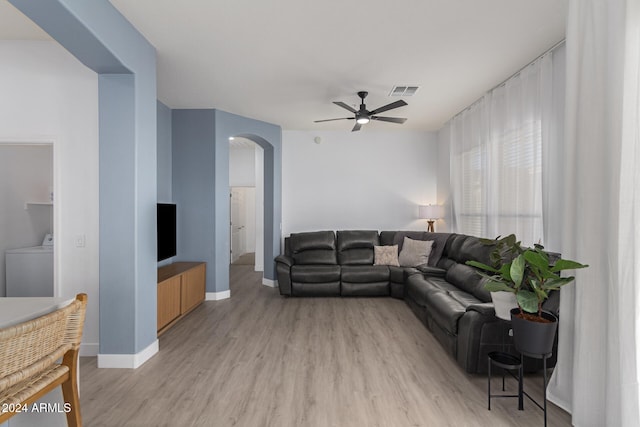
x,y
29,355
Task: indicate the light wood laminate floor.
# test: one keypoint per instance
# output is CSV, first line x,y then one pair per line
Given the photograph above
x,y
258,359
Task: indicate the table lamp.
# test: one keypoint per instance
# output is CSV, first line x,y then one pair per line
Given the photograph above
x,y
431,213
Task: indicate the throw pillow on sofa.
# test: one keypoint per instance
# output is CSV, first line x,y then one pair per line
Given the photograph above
x,y
415,252
386,255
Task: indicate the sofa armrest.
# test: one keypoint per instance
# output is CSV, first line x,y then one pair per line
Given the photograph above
x,y
283,272
410,271
484,308
430,271
285,259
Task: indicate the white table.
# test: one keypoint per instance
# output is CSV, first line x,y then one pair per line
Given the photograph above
x,y
14,310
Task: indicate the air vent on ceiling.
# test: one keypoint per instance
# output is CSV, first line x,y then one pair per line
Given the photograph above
x,y
404,90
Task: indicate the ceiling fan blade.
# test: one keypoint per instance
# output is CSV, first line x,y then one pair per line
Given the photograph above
x,y
356,127
330,120
388,107
345,106
389,119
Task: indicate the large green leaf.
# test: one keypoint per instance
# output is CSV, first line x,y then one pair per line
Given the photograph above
x,y
537,259
549,275
517,270
493,286
556,283
528,301
566,264
482,266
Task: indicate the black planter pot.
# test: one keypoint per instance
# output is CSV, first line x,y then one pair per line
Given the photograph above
x,y
533,337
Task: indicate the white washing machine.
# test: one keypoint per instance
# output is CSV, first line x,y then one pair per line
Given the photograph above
x,y
29,272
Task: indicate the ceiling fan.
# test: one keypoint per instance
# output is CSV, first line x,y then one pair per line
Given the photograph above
x,y
364,116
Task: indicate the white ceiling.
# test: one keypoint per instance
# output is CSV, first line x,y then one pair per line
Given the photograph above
x,y
285,61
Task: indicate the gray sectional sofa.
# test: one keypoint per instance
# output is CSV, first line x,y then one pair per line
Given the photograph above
x,y
445,294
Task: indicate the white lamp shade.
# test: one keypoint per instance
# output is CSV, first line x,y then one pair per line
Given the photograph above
x,y
430,211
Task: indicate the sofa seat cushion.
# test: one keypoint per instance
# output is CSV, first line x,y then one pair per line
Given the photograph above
x,y
445,310
465,299
361,280
315,273
419,288
440,284
365,274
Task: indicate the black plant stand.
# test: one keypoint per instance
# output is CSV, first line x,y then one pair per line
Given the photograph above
x,y
508,362
544,358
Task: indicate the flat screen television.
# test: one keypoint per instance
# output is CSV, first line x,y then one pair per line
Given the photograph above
x,y
166,223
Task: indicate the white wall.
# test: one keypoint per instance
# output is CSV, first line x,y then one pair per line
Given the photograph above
x,y
49,96
26,175
242,171
357,180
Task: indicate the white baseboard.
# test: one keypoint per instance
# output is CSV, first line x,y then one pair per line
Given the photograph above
x,y
270,283
90,349
216,296
128,361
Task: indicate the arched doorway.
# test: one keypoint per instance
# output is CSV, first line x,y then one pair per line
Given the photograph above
x,y
246,181
269,138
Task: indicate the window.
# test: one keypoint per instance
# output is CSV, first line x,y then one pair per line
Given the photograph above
x,y
496,164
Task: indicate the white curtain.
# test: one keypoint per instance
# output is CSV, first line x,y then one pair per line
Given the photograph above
x,y
496,157
596,377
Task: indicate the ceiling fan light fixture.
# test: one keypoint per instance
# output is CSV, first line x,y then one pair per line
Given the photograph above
x,y
364,116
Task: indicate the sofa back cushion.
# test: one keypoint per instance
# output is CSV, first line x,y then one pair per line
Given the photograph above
x,y
316,247
355,247
397,238
466,278
386,238
459,249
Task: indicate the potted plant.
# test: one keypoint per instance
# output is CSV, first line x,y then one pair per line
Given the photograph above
x,y
531,274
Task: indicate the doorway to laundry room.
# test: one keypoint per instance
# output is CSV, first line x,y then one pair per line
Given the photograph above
x,y
26,219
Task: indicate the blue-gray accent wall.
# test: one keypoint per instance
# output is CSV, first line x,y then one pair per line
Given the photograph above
x,y
99,36
116,90
193,136
200,141
269,137
165,157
